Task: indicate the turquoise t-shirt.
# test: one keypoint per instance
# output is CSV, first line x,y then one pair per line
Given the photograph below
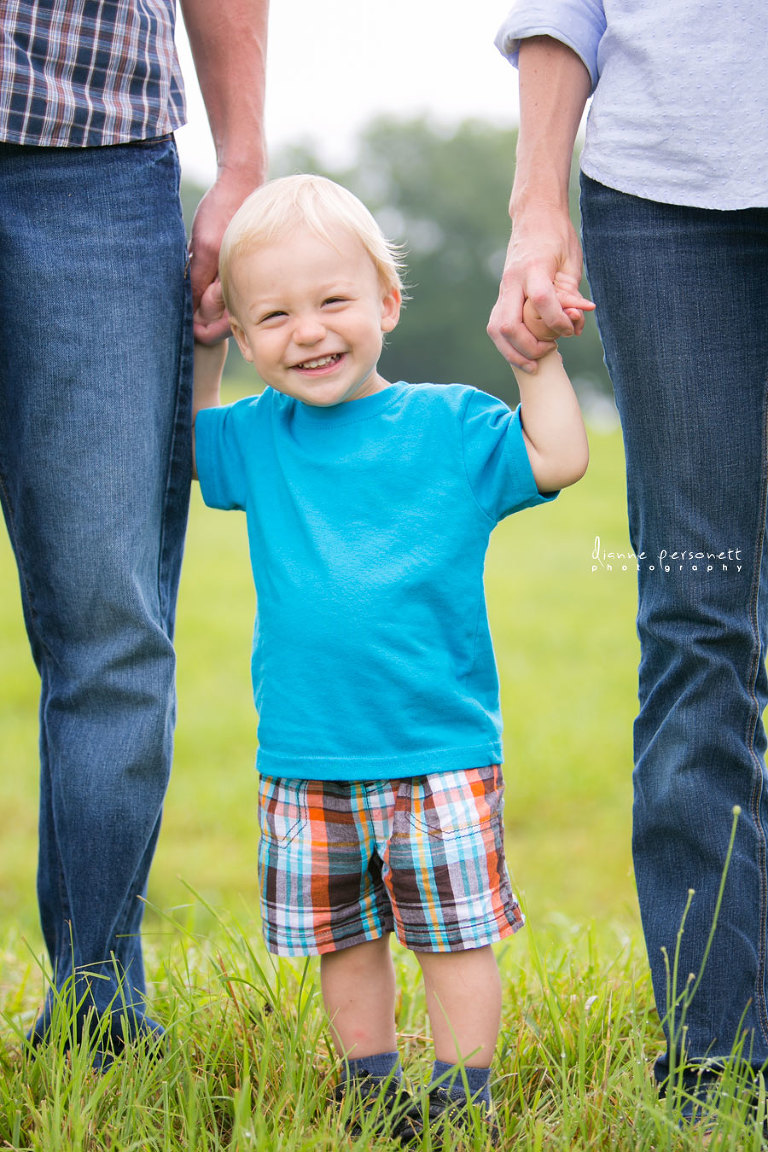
x,y
368,524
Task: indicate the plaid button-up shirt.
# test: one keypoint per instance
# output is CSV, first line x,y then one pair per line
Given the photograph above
x,y
77,73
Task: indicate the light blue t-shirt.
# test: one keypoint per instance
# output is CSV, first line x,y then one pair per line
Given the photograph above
x,y
368,524
679,112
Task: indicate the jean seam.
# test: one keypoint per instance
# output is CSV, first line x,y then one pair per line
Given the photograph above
x,y
27,598
166,598
166,559
43,655
757,791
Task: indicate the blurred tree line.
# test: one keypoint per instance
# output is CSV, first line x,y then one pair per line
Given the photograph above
x,y
442,194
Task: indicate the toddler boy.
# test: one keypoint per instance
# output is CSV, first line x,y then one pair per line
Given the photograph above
x,y
369,507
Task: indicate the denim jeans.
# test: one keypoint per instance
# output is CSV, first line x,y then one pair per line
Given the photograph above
x,y
94,477
682,305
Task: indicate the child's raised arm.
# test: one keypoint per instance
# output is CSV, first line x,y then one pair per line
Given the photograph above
x,y
552,424
553,429
206,393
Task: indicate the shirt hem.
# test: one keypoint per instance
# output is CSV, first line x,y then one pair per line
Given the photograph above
x,y
74,137
682,198
381,768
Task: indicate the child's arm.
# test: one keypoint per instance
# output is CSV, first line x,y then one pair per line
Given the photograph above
x,y
209,365
553,429
552,425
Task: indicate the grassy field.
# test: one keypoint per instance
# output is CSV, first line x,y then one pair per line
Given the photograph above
x,y
248,1062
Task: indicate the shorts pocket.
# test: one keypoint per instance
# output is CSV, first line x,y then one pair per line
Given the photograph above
x,y
282,810
452,805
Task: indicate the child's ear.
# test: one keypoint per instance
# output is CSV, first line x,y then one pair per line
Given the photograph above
x,y
239,335
390,309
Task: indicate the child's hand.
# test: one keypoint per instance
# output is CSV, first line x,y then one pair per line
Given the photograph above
x,y
571,301
210,314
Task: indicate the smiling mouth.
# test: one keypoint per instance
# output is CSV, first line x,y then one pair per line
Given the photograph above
x,y
321,362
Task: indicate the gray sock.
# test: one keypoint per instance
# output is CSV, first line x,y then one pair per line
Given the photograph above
x,y
453,1077
382,1066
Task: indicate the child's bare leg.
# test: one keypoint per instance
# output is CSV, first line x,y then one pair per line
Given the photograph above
x,y
358,985
463,991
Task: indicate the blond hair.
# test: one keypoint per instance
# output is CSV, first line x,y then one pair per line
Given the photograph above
x,y
317,202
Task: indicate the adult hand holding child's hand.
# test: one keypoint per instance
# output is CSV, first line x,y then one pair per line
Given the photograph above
x,y
571,301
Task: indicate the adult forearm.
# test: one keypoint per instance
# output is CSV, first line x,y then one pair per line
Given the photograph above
x,y
554,86
229,46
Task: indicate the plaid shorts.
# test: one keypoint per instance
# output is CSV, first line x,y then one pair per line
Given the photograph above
x,y
345,862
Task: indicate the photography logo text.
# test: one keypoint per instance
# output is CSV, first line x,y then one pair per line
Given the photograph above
x,y
666,561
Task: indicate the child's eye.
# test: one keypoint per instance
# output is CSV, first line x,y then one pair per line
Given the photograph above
x,y
265,319
335,300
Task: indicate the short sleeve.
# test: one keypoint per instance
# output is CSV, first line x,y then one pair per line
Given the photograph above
x,y
496,459
579,24
219,458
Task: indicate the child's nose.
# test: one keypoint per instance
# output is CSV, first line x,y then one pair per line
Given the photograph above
x,y
308,330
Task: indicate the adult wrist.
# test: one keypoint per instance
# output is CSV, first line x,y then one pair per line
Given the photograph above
x,y
247,171
536,204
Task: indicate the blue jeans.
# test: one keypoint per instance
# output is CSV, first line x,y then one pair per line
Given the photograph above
x,y
94,478
682,305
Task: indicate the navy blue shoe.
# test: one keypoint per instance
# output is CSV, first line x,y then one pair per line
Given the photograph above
x,y
396,1115
447,1115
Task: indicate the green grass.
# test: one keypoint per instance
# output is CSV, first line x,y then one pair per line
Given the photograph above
x,y
248,1063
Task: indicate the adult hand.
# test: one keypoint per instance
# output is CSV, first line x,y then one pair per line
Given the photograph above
x,y
229,43
544,252
572,303
211,322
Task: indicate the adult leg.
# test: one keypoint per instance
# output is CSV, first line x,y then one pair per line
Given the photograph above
x,y
682,304
94,476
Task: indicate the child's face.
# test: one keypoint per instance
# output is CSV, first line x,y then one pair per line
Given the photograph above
x,y
311,316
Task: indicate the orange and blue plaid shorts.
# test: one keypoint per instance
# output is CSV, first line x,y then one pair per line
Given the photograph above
x,y
343,862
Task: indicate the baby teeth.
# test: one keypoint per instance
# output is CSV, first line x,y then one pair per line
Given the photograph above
x,y
318,363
